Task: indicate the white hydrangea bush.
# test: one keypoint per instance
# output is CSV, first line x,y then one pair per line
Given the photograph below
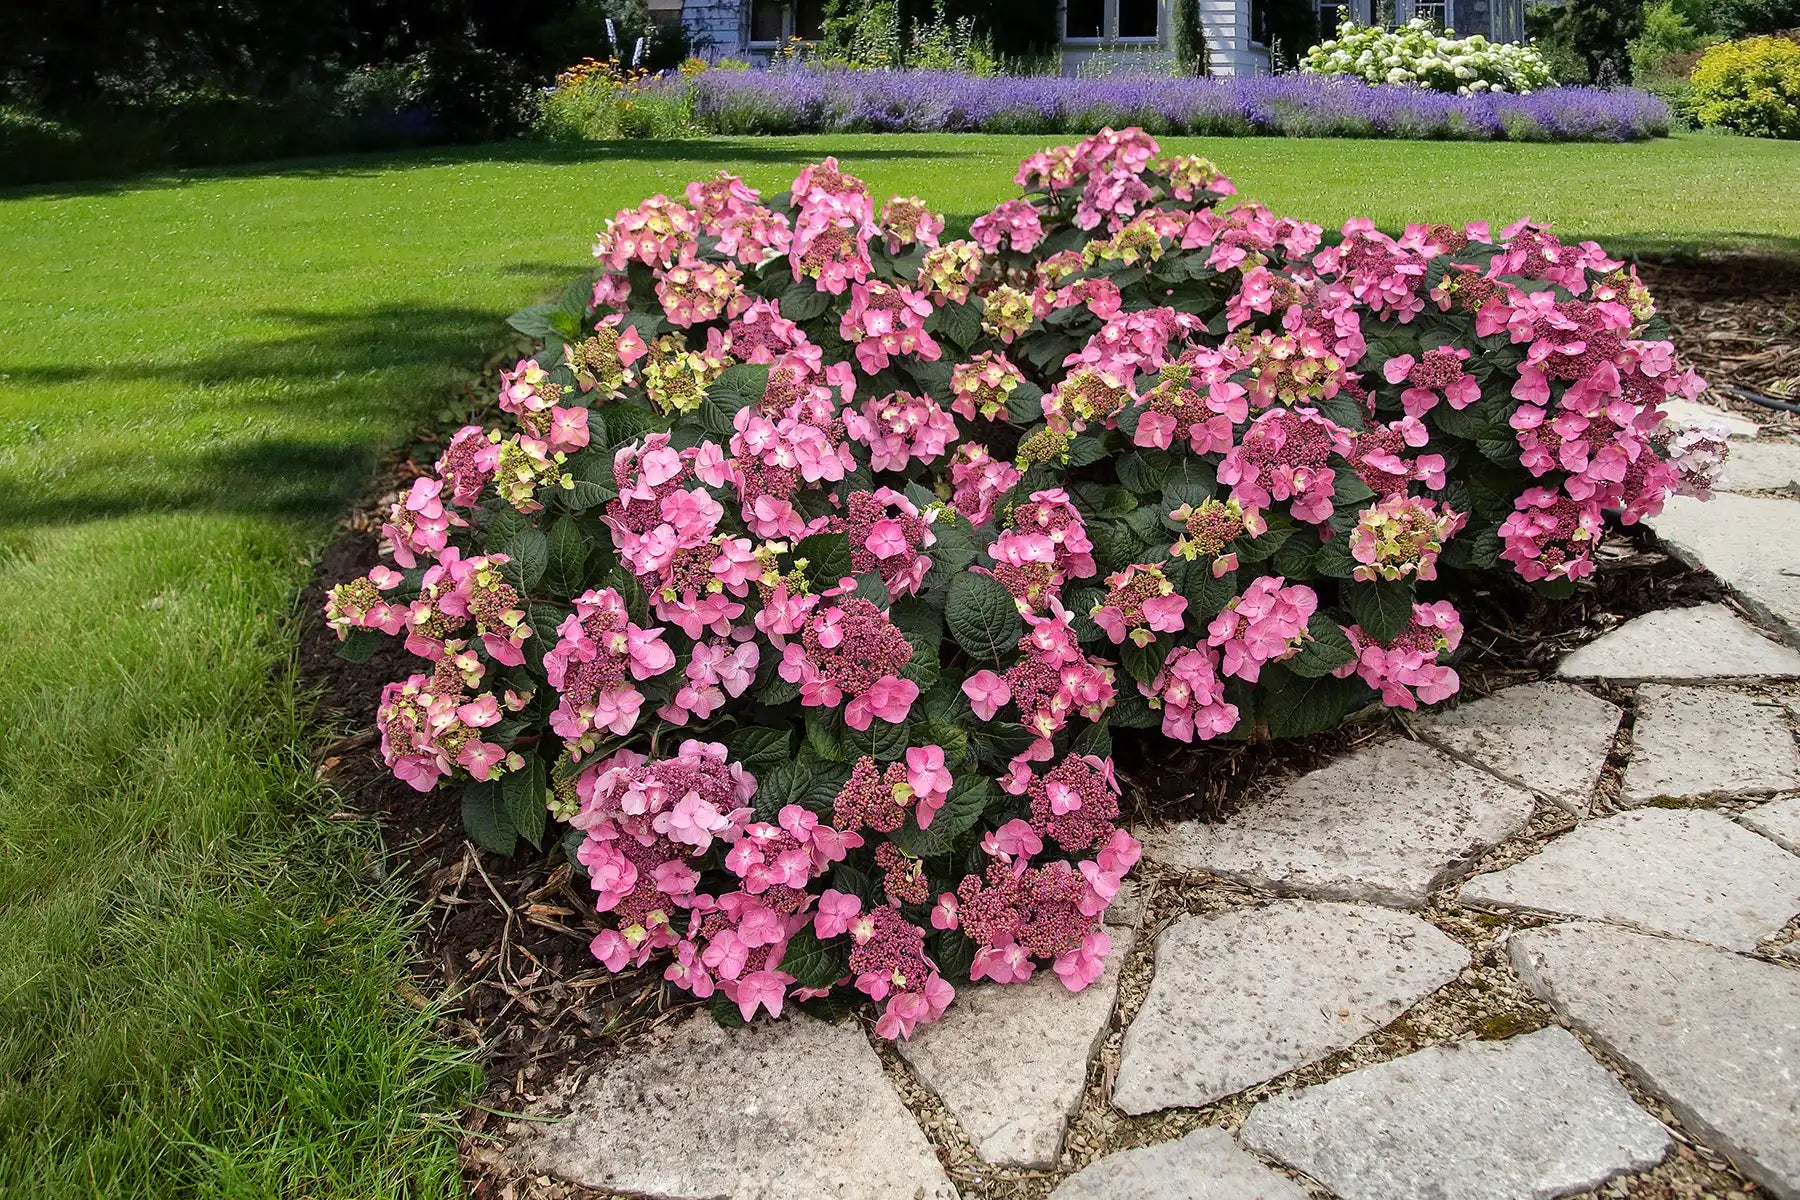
x,y
1417,53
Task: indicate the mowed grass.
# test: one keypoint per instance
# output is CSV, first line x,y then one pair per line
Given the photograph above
x,y
197,972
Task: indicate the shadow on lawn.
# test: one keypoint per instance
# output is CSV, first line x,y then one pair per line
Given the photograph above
x,y
708,154
296,435
300,417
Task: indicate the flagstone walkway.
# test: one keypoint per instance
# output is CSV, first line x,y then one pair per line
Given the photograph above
x,y
1541,944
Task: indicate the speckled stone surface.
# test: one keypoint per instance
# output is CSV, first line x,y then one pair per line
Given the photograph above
x,y
1762,466
1778,820
789,1110
1389,823
1253,993
1749,542
1687,872
1204,1165
1690,742
1533,1116
1011,1062
1716,1034
1705,643
1550,737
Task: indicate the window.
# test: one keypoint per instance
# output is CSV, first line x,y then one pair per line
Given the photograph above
x,y
1331,14
809,19
1435,11
1259,22
1085,19
1137,19
768,20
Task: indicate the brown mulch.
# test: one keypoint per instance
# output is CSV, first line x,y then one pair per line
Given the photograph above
x,y
1738,319
505,940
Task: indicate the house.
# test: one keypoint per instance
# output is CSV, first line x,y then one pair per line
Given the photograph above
x,y
1121,34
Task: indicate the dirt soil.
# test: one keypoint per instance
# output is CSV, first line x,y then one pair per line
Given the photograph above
x,y
507,939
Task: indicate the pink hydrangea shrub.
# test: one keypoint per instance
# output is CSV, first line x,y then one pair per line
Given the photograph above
x,y
808,569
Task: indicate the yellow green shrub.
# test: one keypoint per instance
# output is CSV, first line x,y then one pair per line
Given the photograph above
x,y
1750,86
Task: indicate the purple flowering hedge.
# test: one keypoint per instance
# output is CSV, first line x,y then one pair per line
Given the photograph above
x,y
798,101
818,558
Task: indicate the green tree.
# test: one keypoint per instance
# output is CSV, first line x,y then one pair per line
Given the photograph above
x,y
1592,31
1187,38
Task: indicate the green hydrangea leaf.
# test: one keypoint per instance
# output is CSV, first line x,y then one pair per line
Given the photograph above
x,y
814,963
983,617
969,798
1382,608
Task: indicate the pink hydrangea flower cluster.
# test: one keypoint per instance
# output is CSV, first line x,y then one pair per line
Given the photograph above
x,y
982,385
1264,625
1551,535
900,428
886,322
849,649
1209,528
889,535
1191,695
1052,682
598,660
1286,455
977,480
1140,603
1405,669
428,730
1400,537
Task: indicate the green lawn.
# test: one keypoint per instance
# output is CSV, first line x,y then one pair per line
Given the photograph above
x,y
196,977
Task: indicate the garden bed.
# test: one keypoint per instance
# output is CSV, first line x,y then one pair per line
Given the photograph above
x,y
786,102
508,937
878,632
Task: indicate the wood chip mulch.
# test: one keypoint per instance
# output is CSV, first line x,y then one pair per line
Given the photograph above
x,y
1737,318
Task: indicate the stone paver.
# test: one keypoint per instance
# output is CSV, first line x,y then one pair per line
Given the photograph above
x,y
1387,823
1750,542
1763,467
1778,820
1690,413
1702,644
1533,1116
1011,1062
1243,997
1691,742
1715,1034
1692,873
790,1110
1204,1165
1549,737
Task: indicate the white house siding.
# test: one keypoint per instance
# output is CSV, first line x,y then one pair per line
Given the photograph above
x,y
1229,53
717,25
1224,22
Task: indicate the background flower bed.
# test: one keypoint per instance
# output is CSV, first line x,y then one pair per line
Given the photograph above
x,y
1419,53
800,101
952,636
